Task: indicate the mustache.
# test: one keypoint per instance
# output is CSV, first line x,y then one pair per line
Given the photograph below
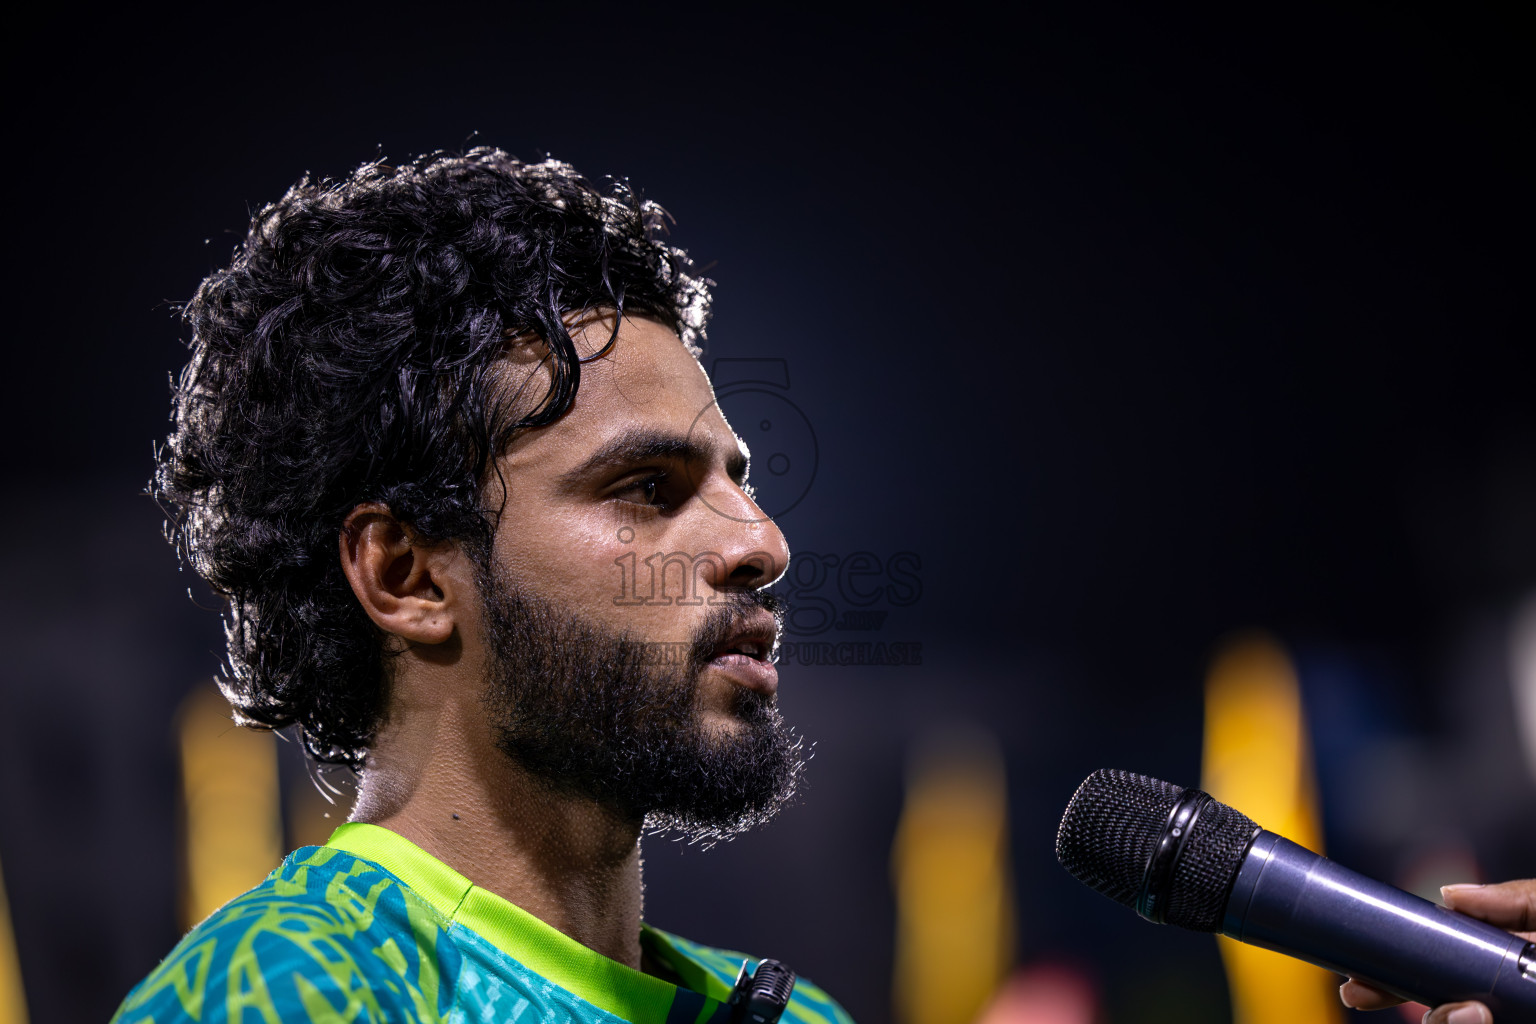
x,y
727,619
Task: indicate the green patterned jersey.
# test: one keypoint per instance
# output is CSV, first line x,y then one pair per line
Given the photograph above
x,y
370,928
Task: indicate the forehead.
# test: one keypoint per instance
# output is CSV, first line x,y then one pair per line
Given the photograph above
x,y
646,382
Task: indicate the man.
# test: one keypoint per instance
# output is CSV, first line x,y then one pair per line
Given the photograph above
x,y
432,414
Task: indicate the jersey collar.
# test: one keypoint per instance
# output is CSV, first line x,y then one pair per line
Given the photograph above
x,y
621,990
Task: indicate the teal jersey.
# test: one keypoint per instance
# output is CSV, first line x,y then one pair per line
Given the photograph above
x,y
371,928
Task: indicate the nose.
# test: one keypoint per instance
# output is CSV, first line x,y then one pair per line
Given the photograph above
x,y
752,547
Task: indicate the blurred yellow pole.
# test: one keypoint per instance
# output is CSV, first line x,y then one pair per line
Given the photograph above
x,y
954,900
234,833
13,1001
1258,760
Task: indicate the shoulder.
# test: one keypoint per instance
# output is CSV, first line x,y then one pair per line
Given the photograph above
x,y
808,1002
327,936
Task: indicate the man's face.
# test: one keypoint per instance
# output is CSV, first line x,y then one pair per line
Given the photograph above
x,y
628,639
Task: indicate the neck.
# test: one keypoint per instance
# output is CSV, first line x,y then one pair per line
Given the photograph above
x,y
435,777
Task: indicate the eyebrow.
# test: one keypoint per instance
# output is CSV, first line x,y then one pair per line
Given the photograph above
x,y
640,445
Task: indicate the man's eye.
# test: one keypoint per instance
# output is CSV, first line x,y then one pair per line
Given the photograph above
x,y
643,492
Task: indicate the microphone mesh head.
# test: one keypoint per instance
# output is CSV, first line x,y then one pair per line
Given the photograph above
x,y
1112,826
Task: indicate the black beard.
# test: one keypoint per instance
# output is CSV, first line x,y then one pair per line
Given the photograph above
x,y
604,716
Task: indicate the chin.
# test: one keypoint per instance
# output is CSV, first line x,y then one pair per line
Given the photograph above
x,y
722,725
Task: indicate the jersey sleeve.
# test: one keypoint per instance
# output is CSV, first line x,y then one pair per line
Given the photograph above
x,y
302,949
274,963
809,1004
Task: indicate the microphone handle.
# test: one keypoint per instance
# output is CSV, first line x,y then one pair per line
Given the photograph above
x,y
1291,900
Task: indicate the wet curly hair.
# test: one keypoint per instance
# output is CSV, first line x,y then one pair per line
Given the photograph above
x,y
347,354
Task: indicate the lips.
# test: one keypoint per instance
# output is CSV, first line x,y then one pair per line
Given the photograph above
x,y
744,654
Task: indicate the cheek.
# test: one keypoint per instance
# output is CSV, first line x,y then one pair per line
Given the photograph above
x,y
603,574
573,562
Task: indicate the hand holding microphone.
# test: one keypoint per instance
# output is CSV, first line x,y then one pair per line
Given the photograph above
x,y
1179,857
1509,905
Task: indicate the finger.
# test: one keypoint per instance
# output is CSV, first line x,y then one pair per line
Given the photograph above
x,y
1459,1013
1357,995
1509,905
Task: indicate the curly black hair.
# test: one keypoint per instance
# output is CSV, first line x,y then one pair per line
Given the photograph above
x,y
348,355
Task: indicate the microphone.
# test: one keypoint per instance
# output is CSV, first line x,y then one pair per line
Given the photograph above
x,y
1177,856
760,997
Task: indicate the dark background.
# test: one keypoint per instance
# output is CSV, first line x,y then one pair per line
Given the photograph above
x,y
1137,328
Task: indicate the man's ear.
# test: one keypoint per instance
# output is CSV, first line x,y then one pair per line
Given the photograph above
x,y
406,586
